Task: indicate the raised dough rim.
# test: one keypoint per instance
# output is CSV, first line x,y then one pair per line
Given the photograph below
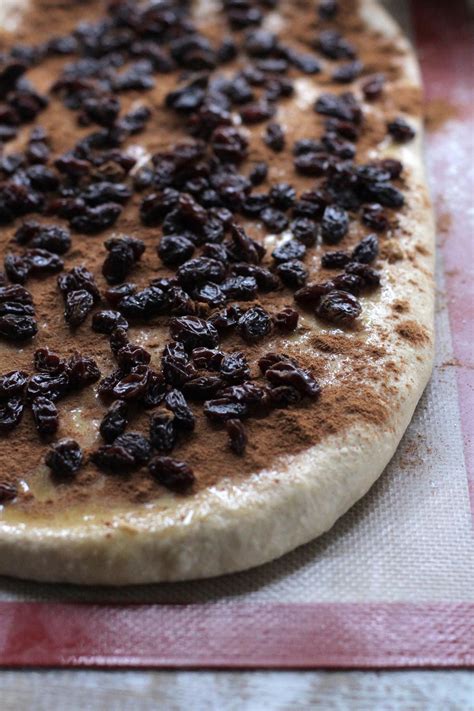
x,y
236,526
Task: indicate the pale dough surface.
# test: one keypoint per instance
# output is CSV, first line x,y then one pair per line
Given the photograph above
x,y
236,525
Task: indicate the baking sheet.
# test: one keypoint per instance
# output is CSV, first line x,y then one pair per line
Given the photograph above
x,y
392,584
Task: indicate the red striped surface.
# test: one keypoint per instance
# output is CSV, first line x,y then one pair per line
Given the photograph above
x,y
238,635
445,40
290,635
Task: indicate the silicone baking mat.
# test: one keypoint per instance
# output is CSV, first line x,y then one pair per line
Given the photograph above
x,y
392,584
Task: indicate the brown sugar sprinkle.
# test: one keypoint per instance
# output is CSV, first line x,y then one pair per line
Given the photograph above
x,y
130,177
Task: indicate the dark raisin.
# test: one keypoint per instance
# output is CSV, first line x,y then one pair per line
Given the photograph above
x,y
175,364
8,492
369,276
82,371
163,434
132,355
229,144
391,166
373,86
11,412
274,219
46,361
306,63
335,260
367,250
42,178
144,304
334,225
184,418
123,253
266,281
133,385
206,358
115,294
64,458
333,45
17,328
291,249
304,230
256,112
50,385
193,332
202,387
45,415
292,273
282,195
287,319
234,368
346,73
108,321
17,268
114,421
79,278
258,173
104,191
344,107
274,137
328,9
400,130
154,391
339,307
347,282
17,294
96,219
255,324
286,373
12,383
211,294
114,459
173,250
237,436
78,306
51,237
311,294
312,164
103,110
223,409
374,217
42,262
137,445
245,248
282,396
172,473
385,194
242,288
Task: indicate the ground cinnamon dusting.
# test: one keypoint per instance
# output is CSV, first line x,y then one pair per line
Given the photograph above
x,y
358,394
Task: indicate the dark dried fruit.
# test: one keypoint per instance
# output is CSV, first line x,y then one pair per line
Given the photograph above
x,y
285,372
201,270
123,253
242,288
245,248
304,230
50,237
78,306
311,294
293,273
108,321
112,458
12,383
369,276
82,371
346,73
114,421
367,250
374,217
339,307
163,434
145,304
274,219
177,368
334,225
133,385
255,324
237,436
193,332
258,173
229,144
8,492
400,130
202,387
274,137
95,219
335,260
328,9
176,402
18,328
173,250
172,473
344,107
373,86
11,412
287,319
234,368
115,294
45,415
137,445
291,249
223,409
64,458
17,268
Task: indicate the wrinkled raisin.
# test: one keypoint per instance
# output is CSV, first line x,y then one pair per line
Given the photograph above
x,y
237,436
255,324
114,421
172,473
193,332
367,250
11,412
293,273
163,434
339,307
64,458
45,415
286,319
